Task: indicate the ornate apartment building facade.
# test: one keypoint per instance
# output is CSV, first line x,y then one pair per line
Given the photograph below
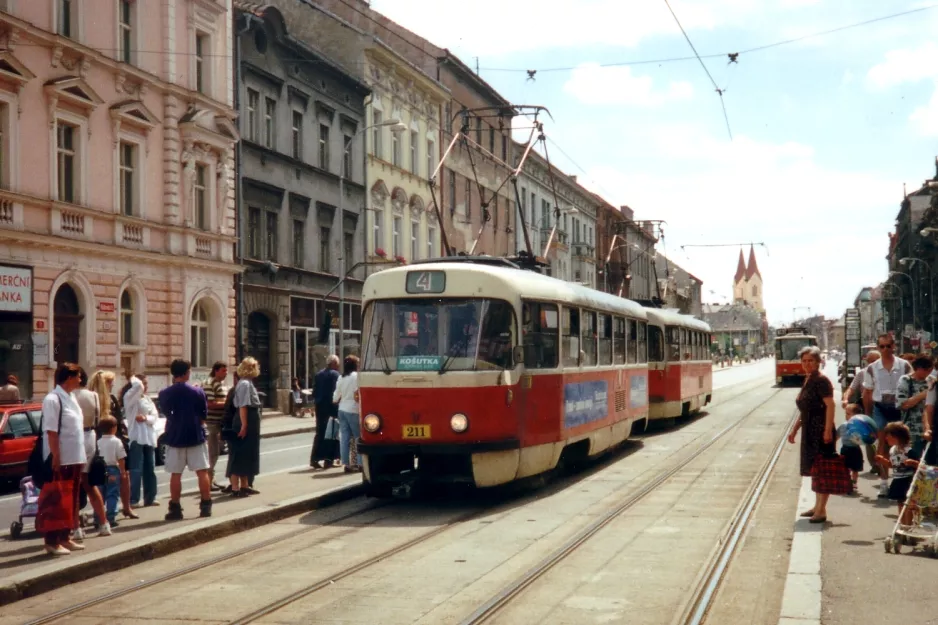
x,y
117,221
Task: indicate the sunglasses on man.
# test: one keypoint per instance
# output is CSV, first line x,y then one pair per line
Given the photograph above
x,y
889,346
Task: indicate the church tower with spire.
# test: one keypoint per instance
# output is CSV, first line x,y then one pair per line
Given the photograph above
x,y
747,284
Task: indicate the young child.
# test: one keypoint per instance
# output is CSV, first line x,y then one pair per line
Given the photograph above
x,y
112,451
903,461
859,430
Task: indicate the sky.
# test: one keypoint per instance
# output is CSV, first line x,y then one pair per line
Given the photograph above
x,y
825,131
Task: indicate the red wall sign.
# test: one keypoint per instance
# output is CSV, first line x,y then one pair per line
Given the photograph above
x,y
106,307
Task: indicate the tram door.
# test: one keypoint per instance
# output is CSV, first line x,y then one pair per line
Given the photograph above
x,y
538,407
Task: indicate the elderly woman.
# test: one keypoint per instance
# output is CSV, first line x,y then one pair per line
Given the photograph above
x,y
141,416
245,450
816,404
63,440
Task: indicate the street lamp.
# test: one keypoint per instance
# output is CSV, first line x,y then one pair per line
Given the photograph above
x,y
910,261
397,127
912,289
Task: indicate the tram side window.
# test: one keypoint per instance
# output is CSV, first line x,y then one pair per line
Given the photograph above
x,y
604,330
701,347
697,344
642,342
655,344
541,335
633,341
685,347
589,338
619,342
570,331
692,352
674,344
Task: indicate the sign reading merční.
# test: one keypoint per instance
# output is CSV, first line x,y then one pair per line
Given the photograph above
x,y
16,289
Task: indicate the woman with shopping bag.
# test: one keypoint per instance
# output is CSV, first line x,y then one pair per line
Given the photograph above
x,y
64,450
819,459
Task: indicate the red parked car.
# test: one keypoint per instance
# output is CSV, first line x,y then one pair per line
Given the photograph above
x,y
19,429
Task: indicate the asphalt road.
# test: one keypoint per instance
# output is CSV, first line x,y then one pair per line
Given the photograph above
x,y
278,455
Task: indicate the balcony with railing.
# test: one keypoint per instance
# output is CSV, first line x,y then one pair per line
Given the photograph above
x,y
584,251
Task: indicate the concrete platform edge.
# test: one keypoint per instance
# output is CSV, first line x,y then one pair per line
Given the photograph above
x,y
63,572
297,430
801,602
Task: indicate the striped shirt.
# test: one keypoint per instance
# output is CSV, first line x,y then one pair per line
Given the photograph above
x,y
216,391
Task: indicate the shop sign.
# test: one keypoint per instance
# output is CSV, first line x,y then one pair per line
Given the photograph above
x,y
16,289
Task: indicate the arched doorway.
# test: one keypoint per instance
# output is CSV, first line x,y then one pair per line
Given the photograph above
x,y
67,330
259,348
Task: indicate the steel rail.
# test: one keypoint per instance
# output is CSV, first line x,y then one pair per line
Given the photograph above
x,y
494,605
116,594
697,609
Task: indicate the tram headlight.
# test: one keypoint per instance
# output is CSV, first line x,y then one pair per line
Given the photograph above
x,y
459,422
372,423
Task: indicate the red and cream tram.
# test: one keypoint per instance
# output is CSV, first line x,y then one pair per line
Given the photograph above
x,y
478,372
788,342
680,370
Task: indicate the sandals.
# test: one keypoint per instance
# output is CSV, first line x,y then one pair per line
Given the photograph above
x,y
807,513
818,519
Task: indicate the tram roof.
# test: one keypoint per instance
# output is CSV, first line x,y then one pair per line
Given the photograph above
x,y
674,318
786,337
528,285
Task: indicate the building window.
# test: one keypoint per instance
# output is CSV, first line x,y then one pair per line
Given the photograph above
x,y
125,26
479,131
254,100
396,149
414,151
128,174
524,206
348,249
270,125
414,240
254,233
127,319
5,136
324,147
67,137
431,242
468,196
201,63
66,18
396,237
325,235
297,135
347,156
492,141
298,243
201,201
198,337
377,148
430,161
504,148
494,211
271,234
452,191
379,230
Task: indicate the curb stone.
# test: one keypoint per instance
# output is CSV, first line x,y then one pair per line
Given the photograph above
x,y
60,573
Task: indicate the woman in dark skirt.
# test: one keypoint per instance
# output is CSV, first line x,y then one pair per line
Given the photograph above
x,y
245,450
816,405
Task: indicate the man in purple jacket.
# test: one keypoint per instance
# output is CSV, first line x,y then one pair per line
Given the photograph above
x,y
186,409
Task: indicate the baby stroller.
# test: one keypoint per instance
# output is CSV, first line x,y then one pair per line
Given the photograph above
x,y
28,508
923,499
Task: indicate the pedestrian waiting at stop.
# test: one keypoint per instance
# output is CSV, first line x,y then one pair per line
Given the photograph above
x,y
903,460
244,450
90,404
186,409
325,451
217,393
912,394
347,397
142,417
857,432
112,451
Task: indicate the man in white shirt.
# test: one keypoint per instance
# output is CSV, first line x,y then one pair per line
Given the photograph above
x,y
880,384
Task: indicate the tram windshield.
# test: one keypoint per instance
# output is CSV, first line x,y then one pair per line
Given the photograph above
x,y
787,349
446,334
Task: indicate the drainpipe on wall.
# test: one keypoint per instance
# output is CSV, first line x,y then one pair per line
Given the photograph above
x,y
369,100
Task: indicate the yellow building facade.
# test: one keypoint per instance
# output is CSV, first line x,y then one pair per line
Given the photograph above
x,y
400,217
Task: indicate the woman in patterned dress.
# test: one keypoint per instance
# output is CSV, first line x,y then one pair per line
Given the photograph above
x,y
816,404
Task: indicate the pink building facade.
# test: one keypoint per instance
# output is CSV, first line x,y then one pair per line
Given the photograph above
x,y
117,210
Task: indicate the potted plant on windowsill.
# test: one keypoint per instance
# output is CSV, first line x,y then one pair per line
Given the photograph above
x,y
380,252
401,260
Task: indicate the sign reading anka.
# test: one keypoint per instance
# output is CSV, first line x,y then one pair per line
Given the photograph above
x,y
16,289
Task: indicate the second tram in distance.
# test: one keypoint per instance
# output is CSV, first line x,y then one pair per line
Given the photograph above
x,y
680,369
788,343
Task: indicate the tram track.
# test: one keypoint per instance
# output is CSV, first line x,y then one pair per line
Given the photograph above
x,y
369,562
491,608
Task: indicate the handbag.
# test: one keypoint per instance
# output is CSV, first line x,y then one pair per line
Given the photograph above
x,y
97,471
328,447
830,475
332,430
56,507
39,465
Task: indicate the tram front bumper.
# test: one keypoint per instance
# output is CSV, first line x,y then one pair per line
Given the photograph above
x,y
456,463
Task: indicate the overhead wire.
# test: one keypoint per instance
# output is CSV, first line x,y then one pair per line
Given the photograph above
x,y
716,87
679,59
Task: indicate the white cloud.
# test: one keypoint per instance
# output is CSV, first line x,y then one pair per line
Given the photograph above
x,y
810,216
592,84
926,117
905,65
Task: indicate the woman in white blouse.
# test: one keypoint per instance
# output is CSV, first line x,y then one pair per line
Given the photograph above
x,y
347,397
141,416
